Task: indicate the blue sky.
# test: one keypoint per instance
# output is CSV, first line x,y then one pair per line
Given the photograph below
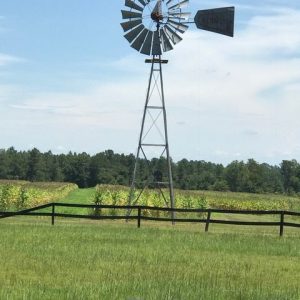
x,y
70,81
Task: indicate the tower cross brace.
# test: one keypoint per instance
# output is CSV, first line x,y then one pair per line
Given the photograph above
x,y
155,81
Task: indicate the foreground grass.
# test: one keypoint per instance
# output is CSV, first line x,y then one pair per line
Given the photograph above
x,y
117,261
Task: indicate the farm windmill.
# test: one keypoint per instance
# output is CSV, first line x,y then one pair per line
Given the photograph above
x,y
153,27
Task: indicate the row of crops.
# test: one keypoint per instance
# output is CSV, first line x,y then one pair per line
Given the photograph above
x,y
118,195
15,195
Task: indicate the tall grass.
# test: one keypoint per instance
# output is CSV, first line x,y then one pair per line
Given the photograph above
x,y
117,261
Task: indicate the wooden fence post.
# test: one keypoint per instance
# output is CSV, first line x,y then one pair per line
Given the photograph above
x,y
139,216
281,222
53,213
207,220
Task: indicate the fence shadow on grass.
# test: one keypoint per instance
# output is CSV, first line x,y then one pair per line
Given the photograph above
x,y
137,213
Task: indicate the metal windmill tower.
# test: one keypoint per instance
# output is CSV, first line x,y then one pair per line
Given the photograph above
x,y
153,27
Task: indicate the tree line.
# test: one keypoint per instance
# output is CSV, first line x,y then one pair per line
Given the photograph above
x,y
111,168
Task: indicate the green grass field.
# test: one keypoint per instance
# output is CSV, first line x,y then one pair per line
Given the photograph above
x,y
115,260
81,259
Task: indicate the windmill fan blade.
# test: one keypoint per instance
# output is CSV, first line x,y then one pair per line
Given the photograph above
x,y
137,44
156,49
173,36
169,2
144,3
146,49
178,26
131,35
179,15
133,5
130,24
181,4
167,46
130,14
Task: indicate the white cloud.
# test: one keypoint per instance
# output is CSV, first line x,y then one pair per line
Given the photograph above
x,y
266,35
6,59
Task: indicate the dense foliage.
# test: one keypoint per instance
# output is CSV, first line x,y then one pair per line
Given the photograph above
x,y
118,195
21,194
110,168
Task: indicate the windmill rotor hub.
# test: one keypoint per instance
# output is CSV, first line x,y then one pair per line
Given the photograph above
x,y
157,17
156,14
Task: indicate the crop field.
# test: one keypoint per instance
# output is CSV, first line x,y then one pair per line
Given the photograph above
x,y
23,194
15,195
118,195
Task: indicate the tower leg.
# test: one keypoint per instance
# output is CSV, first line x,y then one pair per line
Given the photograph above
x,y
155,82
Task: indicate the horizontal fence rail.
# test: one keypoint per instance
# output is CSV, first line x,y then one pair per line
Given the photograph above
x,y
139,217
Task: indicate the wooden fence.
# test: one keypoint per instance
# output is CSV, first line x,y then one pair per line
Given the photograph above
x,y
137,214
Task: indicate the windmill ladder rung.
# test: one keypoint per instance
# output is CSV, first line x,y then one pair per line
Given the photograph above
x,y
162,182
154,145
156,61
155,107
